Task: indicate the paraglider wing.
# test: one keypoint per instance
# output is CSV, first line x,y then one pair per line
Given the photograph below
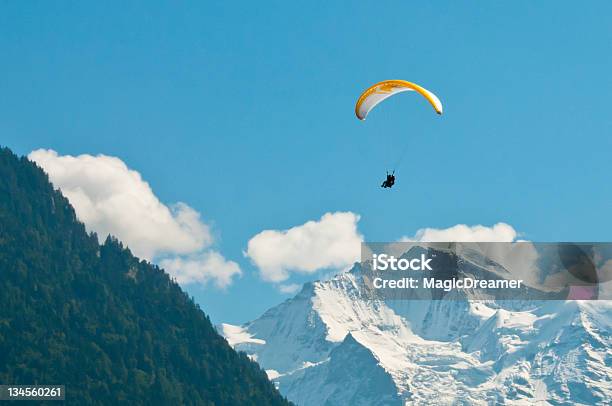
x,y
383,90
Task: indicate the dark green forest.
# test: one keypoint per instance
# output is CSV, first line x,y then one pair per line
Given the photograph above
x,y
112,328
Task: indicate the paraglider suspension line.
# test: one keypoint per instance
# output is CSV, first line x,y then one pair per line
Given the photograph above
x,y
401,157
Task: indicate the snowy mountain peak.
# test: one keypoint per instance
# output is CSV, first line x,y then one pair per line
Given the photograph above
x,y
333,344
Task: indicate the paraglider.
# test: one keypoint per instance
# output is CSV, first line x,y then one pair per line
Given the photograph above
x,y
390,181
381,91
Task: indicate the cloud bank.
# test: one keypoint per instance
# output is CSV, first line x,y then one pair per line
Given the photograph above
x,y
333,241
110,198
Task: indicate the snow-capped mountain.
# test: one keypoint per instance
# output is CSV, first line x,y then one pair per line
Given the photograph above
x,y
334,344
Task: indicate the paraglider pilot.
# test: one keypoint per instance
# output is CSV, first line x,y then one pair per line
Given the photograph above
x,y
390,181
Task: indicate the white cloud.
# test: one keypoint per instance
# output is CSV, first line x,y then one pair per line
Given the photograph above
x,y
463,233
111,198
202,268
331,242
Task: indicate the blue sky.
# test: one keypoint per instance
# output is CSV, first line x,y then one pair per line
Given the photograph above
x,y
244,111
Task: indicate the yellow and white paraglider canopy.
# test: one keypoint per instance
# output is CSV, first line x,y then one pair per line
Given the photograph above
x,y
383,90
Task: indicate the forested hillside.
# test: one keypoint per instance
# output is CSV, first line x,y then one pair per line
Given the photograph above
x,y
93,317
